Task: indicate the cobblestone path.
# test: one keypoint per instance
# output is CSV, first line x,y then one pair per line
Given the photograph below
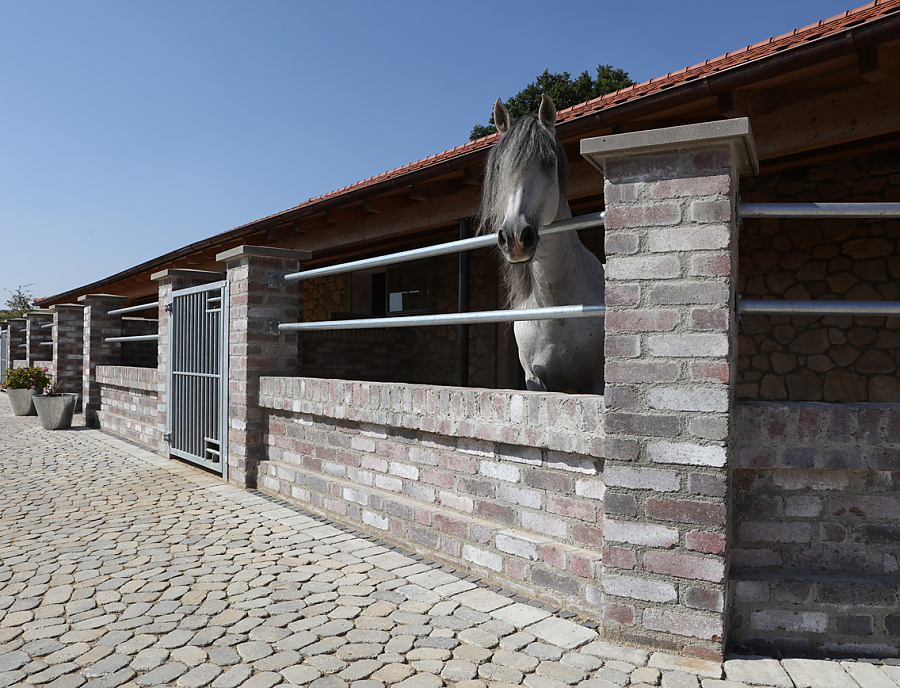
x,y
120,568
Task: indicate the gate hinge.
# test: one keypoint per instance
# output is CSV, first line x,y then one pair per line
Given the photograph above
x,y
167,437
168,308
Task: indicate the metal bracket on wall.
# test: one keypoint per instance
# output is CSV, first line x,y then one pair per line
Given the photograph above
x,y
272,327
276,279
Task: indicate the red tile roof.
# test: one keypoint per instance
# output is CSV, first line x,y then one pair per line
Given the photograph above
x,y
771,46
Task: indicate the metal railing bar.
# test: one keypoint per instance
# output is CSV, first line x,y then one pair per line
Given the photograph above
x,y
817,210
132,309
551,313
571,224
770,306
46,326
193,374
45,343
134,338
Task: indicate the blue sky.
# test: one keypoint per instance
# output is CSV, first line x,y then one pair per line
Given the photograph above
x,y
128,129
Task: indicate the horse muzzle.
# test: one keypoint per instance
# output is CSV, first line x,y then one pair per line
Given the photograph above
x,y
518,246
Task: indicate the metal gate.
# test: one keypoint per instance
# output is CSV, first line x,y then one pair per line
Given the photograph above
x,y
4,353
197,378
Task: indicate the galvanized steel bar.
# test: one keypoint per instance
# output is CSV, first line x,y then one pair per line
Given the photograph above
x,y
551,313
572,224
817,210
748,307
47,326
133,309
134,338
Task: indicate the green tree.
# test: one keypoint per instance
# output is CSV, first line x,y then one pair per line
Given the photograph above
x,y
564,90
18,304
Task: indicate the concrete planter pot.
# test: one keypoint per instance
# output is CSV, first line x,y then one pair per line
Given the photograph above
x,y
55,411
22,401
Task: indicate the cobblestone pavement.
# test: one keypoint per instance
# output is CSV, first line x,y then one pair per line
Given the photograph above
x,y
120,568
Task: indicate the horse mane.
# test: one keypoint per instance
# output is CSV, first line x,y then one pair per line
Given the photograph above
x,y
525,142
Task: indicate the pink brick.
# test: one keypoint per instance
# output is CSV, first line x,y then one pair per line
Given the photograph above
x,y
618,557
583,565
690,239
555,555
685,566
573,508
685,624
686,511
706,542
453,526
703,371
692,186
640,320
458,502
623,217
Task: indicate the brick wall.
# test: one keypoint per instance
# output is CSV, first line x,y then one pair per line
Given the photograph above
x,y
129,403
503,483
817,527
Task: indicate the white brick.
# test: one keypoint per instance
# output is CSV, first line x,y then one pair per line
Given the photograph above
x,y
655,479
374,520
543,524
519,544
357,496
481,557
423,493
688,454
640,588
520,496
388,483
643,267
639,534
364,444
778,620
689,399
688,345
517,408
500,471
404,470
590,489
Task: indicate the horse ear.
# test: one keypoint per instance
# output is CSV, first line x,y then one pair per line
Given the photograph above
x,y
501,116
548,112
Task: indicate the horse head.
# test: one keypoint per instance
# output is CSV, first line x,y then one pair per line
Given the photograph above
x,y
525,177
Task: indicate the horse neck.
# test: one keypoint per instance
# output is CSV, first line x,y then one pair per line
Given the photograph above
x,y
551,268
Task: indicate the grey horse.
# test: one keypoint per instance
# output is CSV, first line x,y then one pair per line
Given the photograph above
x,y
524,190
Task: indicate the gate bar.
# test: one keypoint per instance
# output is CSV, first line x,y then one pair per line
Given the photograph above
x,y
571,224
551,313
134,338
819,307
132,309
47,325
778,210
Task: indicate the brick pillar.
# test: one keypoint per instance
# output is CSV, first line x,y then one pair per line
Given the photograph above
x,y
34,335
98,325
671,350
68,348
259,300
17,344
169,281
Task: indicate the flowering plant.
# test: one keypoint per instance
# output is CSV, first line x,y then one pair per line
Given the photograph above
x,y
32,377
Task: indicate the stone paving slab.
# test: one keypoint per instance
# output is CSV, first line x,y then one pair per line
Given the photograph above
x,y
121,568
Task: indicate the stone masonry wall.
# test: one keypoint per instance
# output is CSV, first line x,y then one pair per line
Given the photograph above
x,y
817,531
129,399
822,358
506,484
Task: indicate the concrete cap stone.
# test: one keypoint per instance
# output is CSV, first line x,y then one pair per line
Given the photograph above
x,y
735,133
58,306
102,297
208,275
262,251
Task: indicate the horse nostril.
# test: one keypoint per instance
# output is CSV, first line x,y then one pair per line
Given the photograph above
x,y
501,239
528,237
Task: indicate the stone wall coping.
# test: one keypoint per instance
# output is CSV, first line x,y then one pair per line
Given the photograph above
x,y
131,377
735,133
103,297
66,306
261,251
38,314
186,273
818,404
